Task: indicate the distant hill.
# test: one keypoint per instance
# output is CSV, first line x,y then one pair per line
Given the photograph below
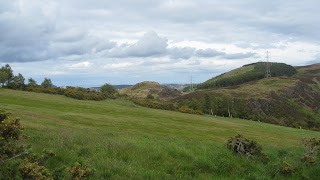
x,y
151,89
290,98
247,73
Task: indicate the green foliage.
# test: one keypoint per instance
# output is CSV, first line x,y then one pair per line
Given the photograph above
x,y
6,74
80,171
276,69
155,104
207,103
17,82
29,170
258,72
312,150
108,89
32,82
84,94
185,109
10,132
150,96
46,83
287,168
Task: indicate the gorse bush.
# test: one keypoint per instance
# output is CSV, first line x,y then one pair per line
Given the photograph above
x,y
80,171
312,150
17,162
29,170
10,132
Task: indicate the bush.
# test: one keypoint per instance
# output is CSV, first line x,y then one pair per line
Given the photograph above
x,y
243,146
108,90
185,109
30,170
155,104
79,171
312,149
150,96
286,168
10,132
84,94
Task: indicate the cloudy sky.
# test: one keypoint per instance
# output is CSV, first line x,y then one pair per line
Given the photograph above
x,y
92,42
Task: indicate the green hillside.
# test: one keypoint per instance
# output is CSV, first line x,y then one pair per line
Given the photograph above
x,y
124,141
291,97
247,73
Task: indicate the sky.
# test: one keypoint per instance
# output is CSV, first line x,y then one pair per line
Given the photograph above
x,y
93,42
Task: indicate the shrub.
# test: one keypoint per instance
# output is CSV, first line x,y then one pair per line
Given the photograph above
x,y
10,132
30,170
155,104
108,89
243,146
79,171
150,96
312,148
286,168
185,109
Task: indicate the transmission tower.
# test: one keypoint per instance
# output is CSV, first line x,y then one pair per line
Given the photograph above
x,y
191,85
268,71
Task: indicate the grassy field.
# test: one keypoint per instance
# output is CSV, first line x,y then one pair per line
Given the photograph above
x,y
124,141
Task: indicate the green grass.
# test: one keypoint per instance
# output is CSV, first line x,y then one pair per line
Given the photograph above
x,y
124,141
232,73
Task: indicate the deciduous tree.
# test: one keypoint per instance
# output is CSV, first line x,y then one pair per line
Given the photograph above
x,y
46,83
32,82
108,89
6,74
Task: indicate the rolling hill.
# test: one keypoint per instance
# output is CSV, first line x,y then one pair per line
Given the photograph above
x,y
121,140
290,98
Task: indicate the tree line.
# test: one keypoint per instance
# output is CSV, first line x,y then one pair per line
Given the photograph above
x,y
17,82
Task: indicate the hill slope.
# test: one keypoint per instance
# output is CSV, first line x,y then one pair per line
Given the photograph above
x,y
247,73
289,101
124,141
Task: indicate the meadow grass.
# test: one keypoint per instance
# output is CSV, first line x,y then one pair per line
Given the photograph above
x,y
124,141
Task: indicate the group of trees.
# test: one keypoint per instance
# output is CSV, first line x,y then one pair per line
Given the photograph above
x,y
106,91
276,110
9,80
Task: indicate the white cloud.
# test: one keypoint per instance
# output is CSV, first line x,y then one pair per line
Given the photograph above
x,y
80,65
160,37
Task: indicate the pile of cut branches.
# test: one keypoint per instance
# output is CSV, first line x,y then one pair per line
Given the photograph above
x,y
243,146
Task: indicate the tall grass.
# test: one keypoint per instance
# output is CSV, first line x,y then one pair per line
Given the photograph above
x,y
124,141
